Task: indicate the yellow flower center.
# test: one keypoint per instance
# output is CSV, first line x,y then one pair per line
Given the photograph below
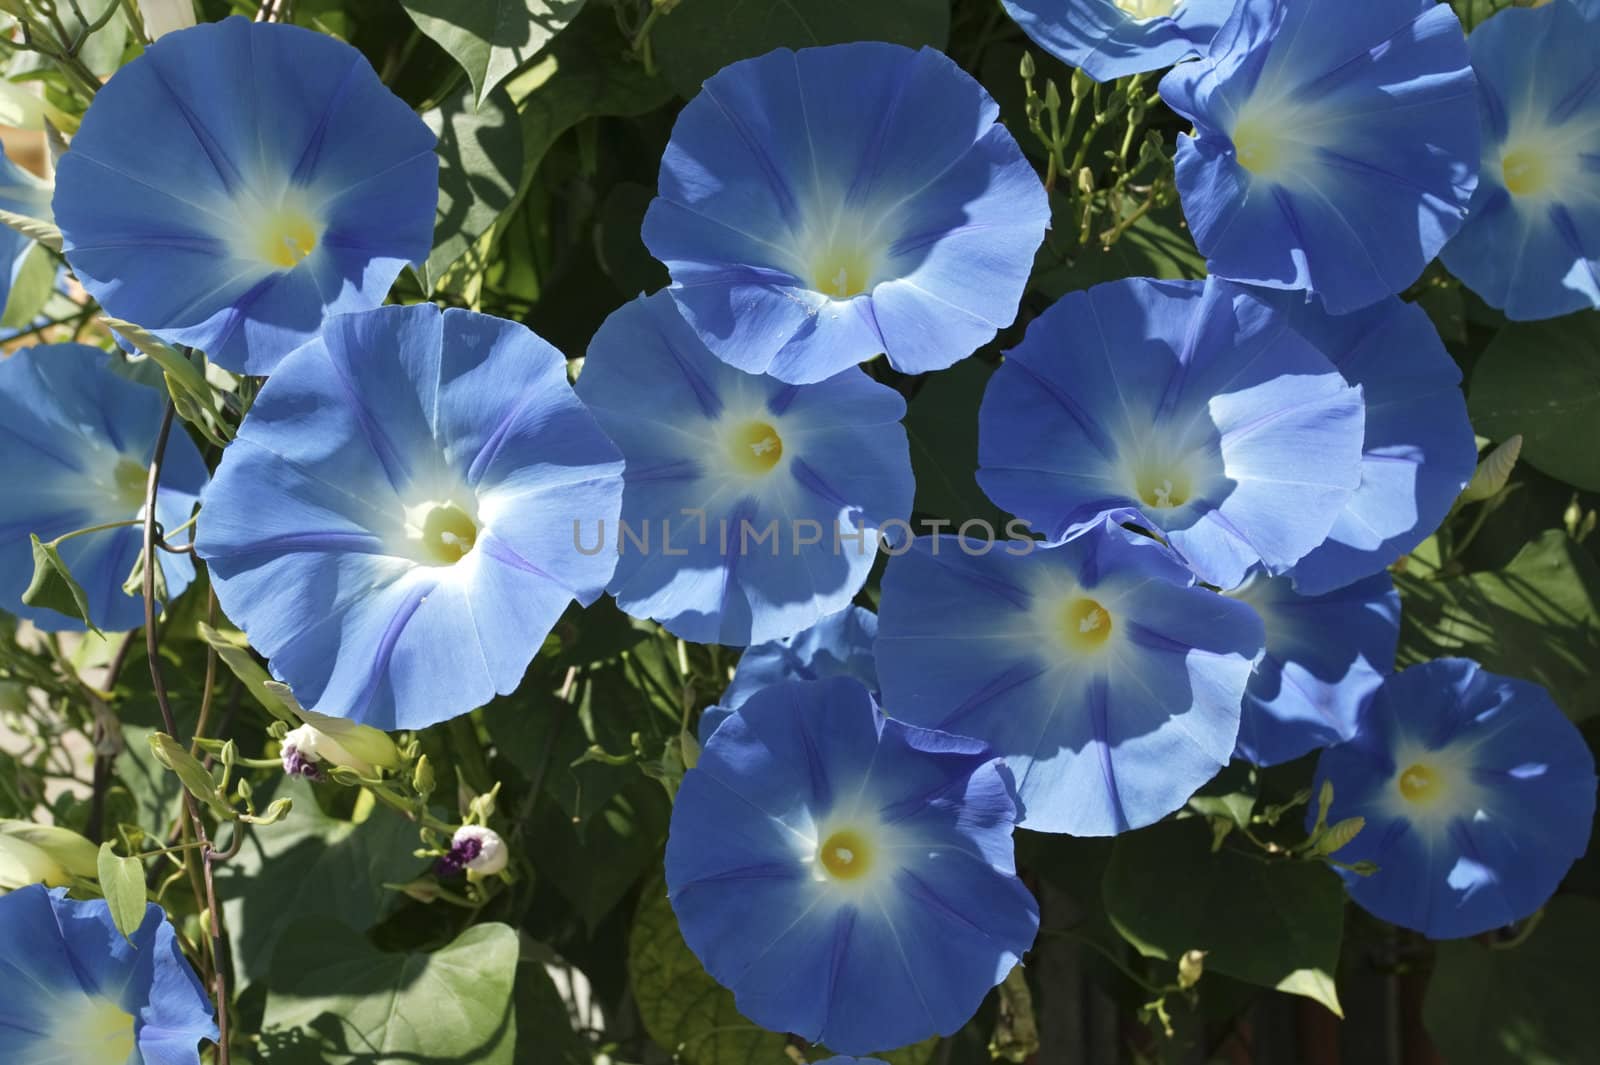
x,y
846,855
1085,624
1419,783
755,447
1526,171
285,236
1143,9
130,480
99,1032
842,270
443,533
1257,146
1163,489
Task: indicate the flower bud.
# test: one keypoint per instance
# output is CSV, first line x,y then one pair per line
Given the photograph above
x,y
43,854
478,850
337,743
21,864
422,780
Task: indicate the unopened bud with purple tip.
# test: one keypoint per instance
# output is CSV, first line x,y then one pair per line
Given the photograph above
x,y
476,850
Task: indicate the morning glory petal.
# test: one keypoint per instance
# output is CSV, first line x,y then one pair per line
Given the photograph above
x,y
1325,656
1334,149
79,991
840,645
850,878
1531,245
1109,39
1192,404
240,182
752,507
1477,792
1107,681
1419,451
86,434
820,207
395,525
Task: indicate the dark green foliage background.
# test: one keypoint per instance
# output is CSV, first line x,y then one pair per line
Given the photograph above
x,y
553,115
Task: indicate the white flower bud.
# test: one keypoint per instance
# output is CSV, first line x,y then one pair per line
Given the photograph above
x,y
308,746
488,856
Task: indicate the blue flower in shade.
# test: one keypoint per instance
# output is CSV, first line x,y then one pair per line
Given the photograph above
x,y
848,877
1419,451
395,526
240,182
851,1061
1335,146
78,438
1107,681
20,193
1531,245
1325,656
839,645
79,993
1477,793
824,206
753,507
1191,408
1110,39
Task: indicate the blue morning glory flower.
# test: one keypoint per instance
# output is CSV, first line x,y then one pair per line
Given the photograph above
x,y
1109,683
20,193
1335,144
824,206
85,435
1477,793
238,183
1419,451
1111,39
840,645
850,878
395,526
1531,245
753,507
79,993
1189,404
1325,656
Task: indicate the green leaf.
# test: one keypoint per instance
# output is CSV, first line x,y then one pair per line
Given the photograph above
x,y
594,866
122,883
1270,922
192,395
491,38
1542,380
34,283
942,426
592,81
700,37
153,791
334,999
234,650
682,1007
196,779
53,586
480,168
311,865
1537,618
1531,1004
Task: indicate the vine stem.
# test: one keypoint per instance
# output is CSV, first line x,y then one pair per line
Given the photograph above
x,y
152,646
